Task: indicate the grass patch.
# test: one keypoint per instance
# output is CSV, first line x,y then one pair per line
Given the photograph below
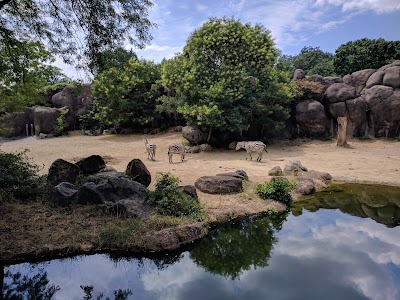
x,y
278,190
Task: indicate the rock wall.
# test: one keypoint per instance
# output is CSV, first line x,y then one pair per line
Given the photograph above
x,y
370,99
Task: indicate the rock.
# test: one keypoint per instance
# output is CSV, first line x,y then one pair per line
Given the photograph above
x,y
135,207
358,79
100,176
275,171
64,194
119,188
194,136
357,117
14,124
375,79
91,164
219,184
311,174
311,118
190,190
242,173
194,149
205,148
305,187
45,119
294,167
392,77
138,172
340,92
299,74
62,171
90,194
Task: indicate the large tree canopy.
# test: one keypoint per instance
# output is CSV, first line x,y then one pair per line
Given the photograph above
x,y
74,28
225,77
365,54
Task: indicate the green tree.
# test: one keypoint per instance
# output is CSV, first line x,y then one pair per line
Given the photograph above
x,y
225,75
127,98
314,61
112,58
74,28
365,54
24,74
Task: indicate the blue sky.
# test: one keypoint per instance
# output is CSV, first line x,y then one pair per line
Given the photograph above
x,y
326,24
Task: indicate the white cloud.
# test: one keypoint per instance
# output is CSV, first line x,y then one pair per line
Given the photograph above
x,y
201,7
378,6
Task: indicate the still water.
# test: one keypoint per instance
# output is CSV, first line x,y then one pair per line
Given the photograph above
x,y
343,243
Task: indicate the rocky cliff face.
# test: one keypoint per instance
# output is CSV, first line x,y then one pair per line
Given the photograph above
x,y
370,99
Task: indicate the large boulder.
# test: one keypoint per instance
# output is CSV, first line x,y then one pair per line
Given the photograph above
x,y
189,190
384,105
311,118
299,74
64,194
340,92
375,79
13,124
135,207
392,77
62,171
138,172
194,136
358,79
76,99
357,117
91,164
45,119
89,193
294,167
219,184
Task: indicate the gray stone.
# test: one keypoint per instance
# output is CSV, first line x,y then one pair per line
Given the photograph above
x,y
64,194
299,74
194,136
275,171
293,167
190,190
219,184
305,187
91,164
137,170
62,171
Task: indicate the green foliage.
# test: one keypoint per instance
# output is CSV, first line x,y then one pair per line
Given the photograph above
x,y
59,129
76,30
25,74
225,78
310,60
365,54
304,89
170,200
278,190
19,177
314,61
127,97
112,58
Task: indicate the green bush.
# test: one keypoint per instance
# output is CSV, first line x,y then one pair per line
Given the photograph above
x,y
59,129
170,200
277,190
19,178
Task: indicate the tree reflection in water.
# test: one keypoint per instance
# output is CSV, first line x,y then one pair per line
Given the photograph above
x,y
36,287
236,247
118,294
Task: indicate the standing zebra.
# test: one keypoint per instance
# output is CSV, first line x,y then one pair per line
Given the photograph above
x,y
176,149
151,150
255,146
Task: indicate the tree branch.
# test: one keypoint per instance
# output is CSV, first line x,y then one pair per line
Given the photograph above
x,y
4,2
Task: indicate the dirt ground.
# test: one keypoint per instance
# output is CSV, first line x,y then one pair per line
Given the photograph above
x,y
369,161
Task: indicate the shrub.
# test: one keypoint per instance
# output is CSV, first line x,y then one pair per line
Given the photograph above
x,y
170,200
59,129
19,178
277,190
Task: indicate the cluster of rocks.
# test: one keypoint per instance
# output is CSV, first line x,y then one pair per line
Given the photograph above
x,y
307,181
91,182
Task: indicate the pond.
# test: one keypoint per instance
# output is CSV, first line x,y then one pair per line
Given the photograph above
x,y
343,243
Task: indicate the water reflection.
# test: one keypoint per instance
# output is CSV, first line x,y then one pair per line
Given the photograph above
x,y
380,203
236,247
314,253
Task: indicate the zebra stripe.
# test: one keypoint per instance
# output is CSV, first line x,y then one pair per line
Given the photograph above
x,y
151,150
254,146
176,149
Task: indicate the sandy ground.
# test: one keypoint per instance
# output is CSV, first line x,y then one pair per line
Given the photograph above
x,y
370,161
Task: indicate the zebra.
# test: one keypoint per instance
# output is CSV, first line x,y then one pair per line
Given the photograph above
x,y
176,149
151,150
254,146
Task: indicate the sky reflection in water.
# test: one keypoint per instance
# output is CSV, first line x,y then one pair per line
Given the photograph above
x,y
317,255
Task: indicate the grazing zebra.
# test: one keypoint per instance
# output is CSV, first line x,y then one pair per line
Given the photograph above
x,y
255,146
176,149
151,150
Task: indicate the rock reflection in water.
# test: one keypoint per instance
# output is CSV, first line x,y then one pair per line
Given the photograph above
x,y
377,202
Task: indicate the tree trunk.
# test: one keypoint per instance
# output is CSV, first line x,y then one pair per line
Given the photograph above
x,y
209,136
341,134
